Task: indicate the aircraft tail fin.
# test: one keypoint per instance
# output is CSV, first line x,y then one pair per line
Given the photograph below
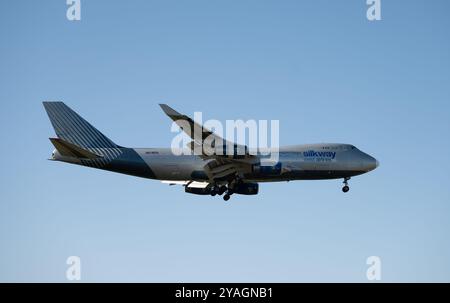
x,y
71,150
73,129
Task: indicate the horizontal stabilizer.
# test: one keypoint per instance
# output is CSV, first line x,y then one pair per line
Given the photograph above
x,y
71,150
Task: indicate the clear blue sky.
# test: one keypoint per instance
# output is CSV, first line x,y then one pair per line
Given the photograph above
x,y
320,67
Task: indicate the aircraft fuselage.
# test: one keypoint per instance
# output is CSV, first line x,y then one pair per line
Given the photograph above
x,y
300,162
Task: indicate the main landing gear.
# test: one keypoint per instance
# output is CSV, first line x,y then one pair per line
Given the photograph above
x,y
346,188
228,189
229,192
220,190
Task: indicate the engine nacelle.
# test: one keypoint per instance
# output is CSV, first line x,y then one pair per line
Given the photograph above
x,y
246,189
273,170
198,191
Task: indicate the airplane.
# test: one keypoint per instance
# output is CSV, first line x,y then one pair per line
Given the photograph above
x,y
205,173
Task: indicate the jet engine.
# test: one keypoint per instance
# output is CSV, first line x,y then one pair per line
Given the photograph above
x,y
246,188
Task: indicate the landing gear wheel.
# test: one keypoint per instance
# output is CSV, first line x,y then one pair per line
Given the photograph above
x,y
222,189
214,190
226,197
346,188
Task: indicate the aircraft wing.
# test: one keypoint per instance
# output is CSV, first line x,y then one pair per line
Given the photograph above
x,y
188,125
223,165
201,135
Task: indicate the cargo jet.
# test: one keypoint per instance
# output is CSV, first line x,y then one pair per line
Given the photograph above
x,y
205,173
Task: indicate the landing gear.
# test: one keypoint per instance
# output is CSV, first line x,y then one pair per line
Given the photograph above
x,y
214,190
228,194
222,189
218,190
346,188
228,189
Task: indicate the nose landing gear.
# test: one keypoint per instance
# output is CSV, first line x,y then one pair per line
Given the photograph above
x,y
346,188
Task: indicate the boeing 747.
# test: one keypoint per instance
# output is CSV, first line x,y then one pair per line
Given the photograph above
x,y
209,173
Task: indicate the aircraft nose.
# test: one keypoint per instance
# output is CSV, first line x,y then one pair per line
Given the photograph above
x,y
367,162
371,163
